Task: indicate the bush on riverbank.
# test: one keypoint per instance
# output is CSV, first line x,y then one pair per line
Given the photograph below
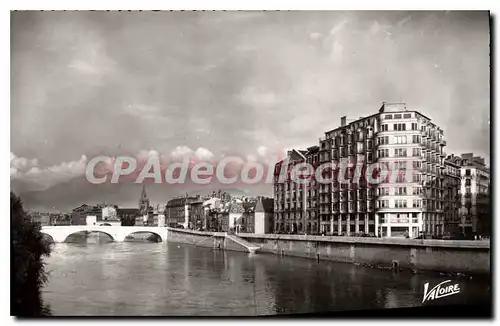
x,y
27,268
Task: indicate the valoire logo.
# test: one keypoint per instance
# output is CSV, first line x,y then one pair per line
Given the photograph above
x,y
440,291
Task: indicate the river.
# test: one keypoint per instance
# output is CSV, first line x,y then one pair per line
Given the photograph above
x,y
167,279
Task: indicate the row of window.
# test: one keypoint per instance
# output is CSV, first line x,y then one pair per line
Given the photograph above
x,y
384,140
400,203
399,152
398,127
398,116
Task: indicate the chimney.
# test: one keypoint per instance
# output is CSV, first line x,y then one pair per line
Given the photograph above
x,y
343,121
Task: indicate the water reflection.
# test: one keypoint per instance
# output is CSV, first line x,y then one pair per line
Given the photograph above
x,y
170,279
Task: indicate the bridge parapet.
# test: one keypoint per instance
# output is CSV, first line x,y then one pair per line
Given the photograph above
x,y
117,233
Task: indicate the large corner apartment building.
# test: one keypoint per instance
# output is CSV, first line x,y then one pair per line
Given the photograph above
x,y
406,205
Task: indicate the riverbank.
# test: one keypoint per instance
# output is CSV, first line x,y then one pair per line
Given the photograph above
x,y
447,256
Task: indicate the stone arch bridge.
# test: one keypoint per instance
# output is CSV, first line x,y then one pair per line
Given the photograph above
x,y
117,233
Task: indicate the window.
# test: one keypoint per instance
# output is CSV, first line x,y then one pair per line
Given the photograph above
x,y
417,177
400,178
384,128
401,191
383,191
467,172
383,203
407,115
414,126
399,165
467,182
400,126
388,116
400,203
383,153
383,140
417,203
416,151
400,152
416,139
400,139
417,190
397,116
417,164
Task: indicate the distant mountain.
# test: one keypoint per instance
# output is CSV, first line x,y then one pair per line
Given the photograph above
x,y
66,196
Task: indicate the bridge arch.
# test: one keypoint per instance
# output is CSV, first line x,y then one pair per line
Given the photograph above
x,y
158,236
89,231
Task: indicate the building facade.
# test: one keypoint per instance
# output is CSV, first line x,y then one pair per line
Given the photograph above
x,y
263,219
475,190
407,202
79,214
452,197
289,197
185,211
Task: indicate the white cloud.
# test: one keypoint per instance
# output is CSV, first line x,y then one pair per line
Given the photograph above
x,y
338,27
180,151
40,178
144,155
262,151
202,154
21,164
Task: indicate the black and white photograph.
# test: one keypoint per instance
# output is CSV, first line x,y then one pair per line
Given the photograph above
x,y
249,163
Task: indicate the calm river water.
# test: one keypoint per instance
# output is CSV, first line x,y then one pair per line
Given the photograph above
x,y
152,279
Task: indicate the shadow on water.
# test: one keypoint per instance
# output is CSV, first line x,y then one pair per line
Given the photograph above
x,y
129,278
143,237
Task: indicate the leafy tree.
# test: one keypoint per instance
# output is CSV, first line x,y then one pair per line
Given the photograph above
x,y
28,274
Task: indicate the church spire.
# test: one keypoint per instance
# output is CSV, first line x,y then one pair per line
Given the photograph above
x,y
144,200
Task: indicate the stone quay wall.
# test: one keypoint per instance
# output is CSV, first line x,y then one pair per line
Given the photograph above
x,y
449,256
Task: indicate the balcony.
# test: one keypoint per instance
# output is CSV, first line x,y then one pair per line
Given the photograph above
x,y
442,142
396,220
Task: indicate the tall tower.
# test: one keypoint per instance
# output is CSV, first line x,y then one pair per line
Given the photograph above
x,y
144,201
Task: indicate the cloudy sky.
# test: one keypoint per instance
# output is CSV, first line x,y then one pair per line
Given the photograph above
x,y
218,83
